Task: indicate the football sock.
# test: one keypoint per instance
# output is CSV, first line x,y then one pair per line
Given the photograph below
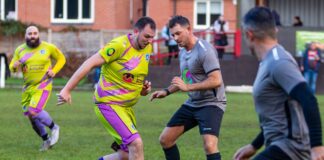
x,y
45,118
45,137
214,156
172,153
51,125
38,127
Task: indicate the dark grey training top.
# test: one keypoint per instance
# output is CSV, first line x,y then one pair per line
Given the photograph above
x,y
281,119
195,65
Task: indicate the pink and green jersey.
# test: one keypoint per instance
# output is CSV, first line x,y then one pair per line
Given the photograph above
x,y
36,62
122,75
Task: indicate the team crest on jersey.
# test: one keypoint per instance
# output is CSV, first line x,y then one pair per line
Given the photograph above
x,y
110,51
147,57
42,51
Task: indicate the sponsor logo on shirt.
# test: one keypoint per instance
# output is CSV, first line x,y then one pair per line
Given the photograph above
x,y
110,51
127,77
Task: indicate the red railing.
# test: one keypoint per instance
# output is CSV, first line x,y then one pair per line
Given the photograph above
x,y
234,46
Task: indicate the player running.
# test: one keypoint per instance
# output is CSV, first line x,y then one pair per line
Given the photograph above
x,y
33,58
124,63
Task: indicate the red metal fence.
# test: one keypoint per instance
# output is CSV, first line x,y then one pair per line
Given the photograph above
x,y
233,47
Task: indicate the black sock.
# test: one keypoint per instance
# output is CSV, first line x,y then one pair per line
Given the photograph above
x,y
214,156
172,153
52,125
36,129
45,137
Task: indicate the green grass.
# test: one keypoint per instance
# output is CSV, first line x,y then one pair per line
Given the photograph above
x,y
83,137
57,82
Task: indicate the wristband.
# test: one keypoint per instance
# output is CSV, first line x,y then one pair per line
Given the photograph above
x,y
167,91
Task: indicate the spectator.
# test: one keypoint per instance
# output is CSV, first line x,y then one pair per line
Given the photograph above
x,y
172,45
220,28
297,22
310,64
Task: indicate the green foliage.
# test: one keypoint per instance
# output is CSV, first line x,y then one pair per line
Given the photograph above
x,y
12,28
15,28
83,137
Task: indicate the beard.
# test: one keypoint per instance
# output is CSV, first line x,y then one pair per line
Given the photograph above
x,y
32,42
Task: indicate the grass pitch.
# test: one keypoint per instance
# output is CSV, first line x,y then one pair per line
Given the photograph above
x,y
83,137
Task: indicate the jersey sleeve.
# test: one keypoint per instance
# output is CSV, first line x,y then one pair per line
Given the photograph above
x,y
59,57
287,75
210,61
111,51
14,59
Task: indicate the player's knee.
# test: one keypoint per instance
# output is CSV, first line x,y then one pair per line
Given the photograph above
x,y
210,147
137,144
164,141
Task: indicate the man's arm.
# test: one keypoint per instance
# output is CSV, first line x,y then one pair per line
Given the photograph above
x,y
84,69
303,94
60,61
249,150
214,80
14,64
163,93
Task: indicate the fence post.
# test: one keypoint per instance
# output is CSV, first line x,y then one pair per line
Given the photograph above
x,y
237,44
2,70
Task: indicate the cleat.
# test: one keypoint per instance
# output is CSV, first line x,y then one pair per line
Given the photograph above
x,y
55,135
46,145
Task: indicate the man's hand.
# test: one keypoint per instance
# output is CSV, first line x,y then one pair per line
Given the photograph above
x,y
50,73
63,97
244,153
178,82
158,94
146,88
16,65
318,153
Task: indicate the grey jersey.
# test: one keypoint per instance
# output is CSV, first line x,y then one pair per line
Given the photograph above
x,y
195,65
281,119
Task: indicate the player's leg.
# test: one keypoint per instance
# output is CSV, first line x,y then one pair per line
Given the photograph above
x,y
272,153
118,155
313,83
209,120
136,151
38,127
120,123
180,122
38,103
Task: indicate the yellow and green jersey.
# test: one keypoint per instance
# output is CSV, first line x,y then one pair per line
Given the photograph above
x,y
122,75
36,62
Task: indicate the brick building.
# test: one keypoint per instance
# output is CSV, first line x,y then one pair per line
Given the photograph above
x,y
115,14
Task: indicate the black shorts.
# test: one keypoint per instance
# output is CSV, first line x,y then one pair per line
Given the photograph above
x,y
208,118
272,153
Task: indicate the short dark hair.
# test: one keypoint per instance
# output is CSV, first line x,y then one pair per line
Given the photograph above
x,y
181,20
143,21
261,22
